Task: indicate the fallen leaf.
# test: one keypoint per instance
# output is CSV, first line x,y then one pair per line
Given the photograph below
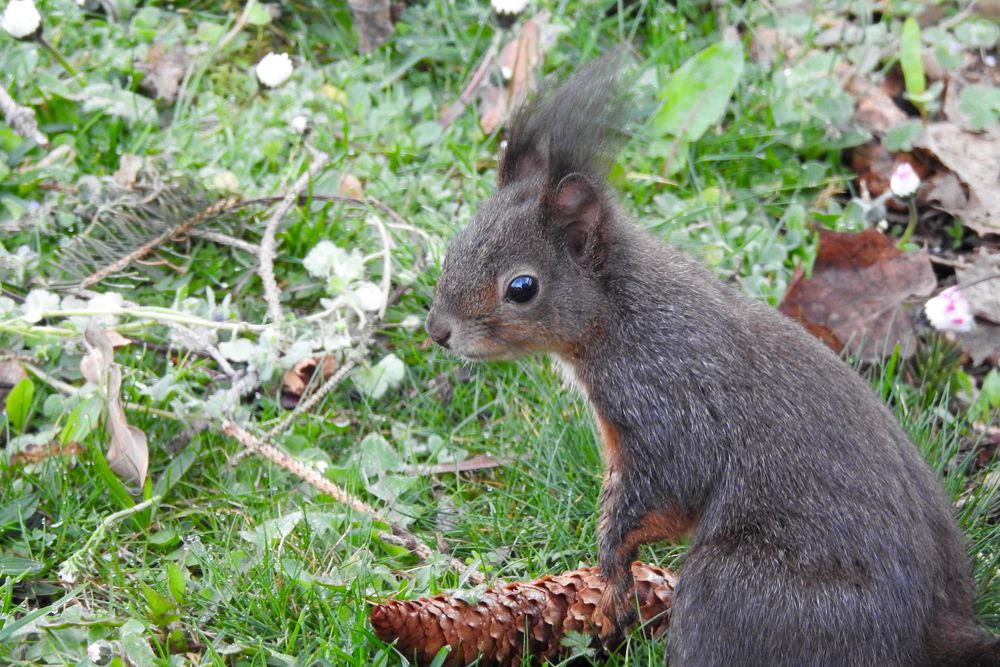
x,y
297,379
128,450
980,282
975,159
164,70
855,297
350,186
982,344
38,453
471,464
373,21
767,44
492,108
876,111
519,62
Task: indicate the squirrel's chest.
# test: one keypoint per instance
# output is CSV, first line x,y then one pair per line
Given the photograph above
x,y
569,375
607,431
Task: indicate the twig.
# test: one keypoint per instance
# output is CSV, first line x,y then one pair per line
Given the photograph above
x,y
224,239
267,242
399,535
73,566
22,119
153,244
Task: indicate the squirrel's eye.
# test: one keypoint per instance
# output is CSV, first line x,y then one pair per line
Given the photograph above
x,y
522,289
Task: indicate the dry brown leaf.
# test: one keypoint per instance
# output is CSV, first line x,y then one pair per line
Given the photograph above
x,y
492,107
373,21
982,344
518,620
164,70
38,453
975,159
519,62
350,186
984,295
297,378
766,44
875,110
855,296
128,450
471,464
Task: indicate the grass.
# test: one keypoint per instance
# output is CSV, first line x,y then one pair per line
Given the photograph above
x,y
245,564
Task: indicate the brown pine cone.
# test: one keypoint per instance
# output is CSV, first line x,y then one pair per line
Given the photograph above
x,y
505,620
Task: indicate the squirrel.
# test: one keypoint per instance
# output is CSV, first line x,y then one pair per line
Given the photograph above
x,y
818,533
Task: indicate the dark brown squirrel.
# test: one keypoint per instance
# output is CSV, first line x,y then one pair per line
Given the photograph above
x,y
819,535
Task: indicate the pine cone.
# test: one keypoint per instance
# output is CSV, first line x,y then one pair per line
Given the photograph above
x,y
534,615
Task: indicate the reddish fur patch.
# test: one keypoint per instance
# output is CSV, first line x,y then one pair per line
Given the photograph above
x,y
611,441
663,525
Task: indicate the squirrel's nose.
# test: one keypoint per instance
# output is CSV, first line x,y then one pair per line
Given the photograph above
x,y
438,329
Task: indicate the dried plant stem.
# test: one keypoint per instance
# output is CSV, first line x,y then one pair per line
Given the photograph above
x,y
22,119
148,247
399,536
224,239
267,242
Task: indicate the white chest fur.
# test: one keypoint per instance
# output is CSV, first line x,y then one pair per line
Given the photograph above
x,y
569,376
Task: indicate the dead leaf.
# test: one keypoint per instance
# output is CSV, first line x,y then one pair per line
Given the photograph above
x,y
975,159
984,294
876,111
297,379
10,374
129,167
767,44
164,70
128,451
38,453
519,62
492,108
855,296
373,21
982,344
350,186
478,462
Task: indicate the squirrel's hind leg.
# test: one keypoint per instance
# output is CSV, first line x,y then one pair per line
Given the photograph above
x,y
750,609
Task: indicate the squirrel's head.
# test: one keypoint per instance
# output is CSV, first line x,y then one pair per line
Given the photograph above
x,y
525,275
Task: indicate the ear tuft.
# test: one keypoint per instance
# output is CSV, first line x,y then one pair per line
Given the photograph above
x,y
577,207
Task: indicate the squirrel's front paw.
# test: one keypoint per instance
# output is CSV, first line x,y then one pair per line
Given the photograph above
x,y
614,615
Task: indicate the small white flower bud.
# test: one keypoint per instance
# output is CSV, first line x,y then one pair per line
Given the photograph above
x,y
299,123
274,69
21,19
904,181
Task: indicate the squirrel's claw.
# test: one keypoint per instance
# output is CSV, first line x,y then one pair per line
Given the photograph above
x,y
614,615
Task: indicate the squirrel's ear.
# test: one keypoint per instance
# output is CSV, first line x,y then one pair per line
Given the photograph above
x,y
577,207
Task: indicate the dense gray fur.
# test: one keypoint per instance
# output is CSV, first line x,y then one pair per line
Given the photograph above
x,y
822,537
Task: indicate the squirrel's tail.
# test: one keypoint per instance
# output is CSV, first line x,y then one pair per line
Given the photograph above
x,y
963,644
